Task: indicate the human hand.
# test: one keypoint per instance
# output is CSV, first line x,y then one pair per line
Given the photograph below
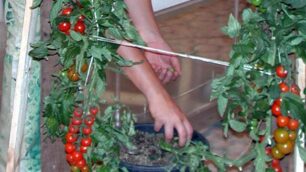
x,y
166,67
168,115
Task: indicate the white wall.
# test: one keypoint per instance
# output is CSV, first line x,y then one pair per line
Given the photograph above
x,y
163,4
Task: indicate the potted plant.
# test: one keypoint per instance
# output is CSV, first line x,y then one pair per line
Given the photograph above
x,y
258,85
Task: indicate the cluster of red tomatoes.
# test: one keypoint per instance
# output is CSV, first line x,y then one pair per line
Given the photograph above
x,y
78,138
65,26
285,135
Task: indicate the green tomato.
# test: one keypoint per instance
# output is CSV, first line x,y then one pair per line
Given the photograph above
x,y
256,2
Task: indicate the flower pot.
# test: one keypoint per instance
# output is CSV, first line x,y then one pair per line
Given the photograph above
x,y
148,127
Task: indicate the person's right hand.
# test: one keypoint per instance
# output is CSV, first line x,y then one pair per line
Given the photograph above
x,y
168,115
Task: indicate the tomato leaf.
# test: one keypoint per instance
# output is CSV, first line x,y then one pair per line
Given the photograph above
x,y
222,104
237,125
233,27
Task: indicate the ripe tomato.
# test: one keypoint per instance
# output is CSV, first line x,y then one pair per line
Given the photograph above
x,y
275,163
278,101
87,130
93,110
268,150
276,154
293,124
77,156
277,169
85,169
66,11
69,158
71,138
73,129
81,163
292,135
281,71
89,120
77,112
281,135
261,139
80,27
285,148
295,89
276,109
73,75
86,141
282,121
256,2
69,148
81,18
83,149
283,87
76,121
64,26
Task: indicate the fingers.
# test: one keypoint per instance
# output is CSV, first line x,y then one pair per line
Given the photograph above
x,y
189,129
177,66
182,134
167,77
157,126
168,132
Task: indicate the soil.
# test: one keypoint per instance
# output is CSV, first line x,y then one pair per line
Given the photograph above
x,y
147,152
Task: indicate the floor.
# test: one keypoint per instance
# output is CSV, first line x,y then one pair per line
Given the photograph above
x,y
193,30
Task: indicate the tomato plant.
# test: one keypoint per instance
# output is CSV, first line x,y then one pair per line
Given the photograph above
x,y
76,121
73,129
69,148
78,112
295,89
93,110
292,135
86,141
283,87
81,163
83,149
89,120
285,148
276,109
87,130
71,138
256,2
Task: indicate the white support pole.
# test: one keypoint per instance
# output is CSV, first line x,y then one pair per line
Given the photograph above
x,y
301,79
20,95
1,11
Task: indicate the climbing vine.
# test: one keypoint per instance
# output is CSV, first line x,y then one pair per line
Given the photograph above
x,y
258,85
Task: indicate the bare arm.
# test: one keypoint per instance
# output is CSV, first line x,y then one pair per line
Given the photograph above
x,y
163,109
141,12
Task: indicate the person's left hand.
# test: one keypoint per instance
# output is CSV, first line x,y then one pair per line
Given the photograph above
x,y
166,67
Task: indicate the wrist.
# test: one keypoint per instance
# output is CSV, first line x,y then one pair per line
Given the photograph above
x,y
150,36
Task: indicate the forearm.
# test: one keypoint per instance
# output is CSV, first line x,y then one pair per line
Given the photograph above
x,y
146,24
142,74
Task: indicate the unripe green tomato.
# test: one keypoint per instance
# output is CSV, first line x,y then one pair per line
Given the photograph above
x,y
256,2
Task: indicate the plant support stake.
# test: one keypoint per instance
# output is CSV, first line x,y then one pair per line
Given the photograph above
x,y
203,59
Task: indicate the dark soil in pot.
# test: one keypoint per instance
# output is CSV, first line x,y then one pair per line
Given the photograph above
x,y
149,157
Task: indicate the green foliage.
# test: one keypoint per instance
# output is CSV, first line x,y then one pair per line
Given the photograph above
x,y
272,35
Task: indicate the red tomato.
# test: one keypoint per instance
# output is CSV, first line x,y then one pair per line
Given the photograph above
x,y
66,11
81,163
86,141
80,27
64,26
283,87
282,121
276,109
94,110
268,150
278,169
261,139
71,138
69,148
89,120
77,156
278,101
77,112
83,149
293,124
281,72
81,18
275,162
87,130
76,121
69,158
292,135
295,89
73,129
